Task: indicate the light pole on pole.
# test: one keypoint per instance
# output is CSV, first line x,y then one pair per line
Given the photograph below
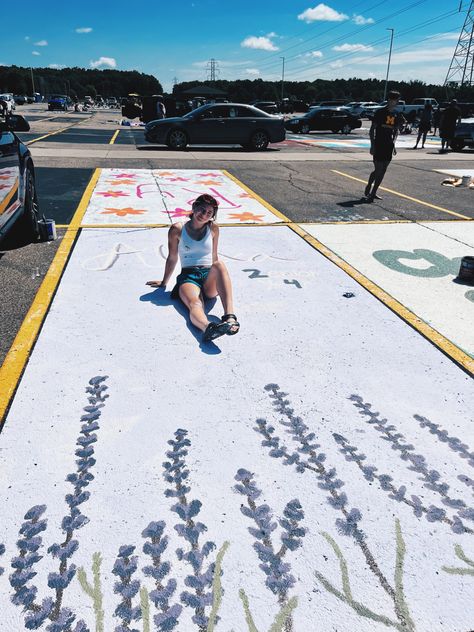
x,y
388,64
282,77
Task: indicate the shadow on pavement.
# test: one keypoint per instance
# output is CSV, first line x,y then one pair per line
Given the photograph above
x,y
161,298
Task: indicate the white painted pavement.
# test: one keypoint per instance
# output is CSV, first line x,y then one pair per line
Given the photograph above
x,y
417,264
366,525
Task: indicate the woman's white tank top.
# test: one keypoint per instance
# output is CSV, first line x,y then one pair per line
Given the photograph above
x,y
195,253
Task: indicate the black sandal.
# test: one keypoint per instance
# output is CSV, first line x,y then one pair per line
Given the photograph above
x,y
231,317
215,330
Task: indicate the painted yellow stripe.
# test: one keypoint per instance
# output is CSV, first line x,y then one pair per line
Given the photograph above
x,y
58,131
7,200
112,140
17,357
446,346
406,197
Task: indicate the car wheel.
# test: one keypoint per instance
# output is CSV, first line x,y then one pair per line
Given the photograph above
x,y
177,139
31,212
259,140
457,144
346,129
305,128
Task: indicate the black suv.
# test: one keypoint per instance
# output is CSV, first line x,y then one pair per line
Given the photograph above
x,y
18,200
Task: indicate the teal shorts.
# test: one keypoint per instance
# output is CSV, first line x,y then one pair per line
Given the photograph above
x,y
196,275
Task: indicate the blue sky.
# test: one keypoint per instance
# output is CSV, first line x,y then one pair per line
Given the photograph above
x,y
334,39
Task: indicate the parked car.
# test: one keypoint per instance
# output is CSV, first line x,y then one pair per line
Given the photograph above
x,y
358,107
322,119
18,199
270,107
218,123
327,104
7,103
464,134
20,99
58,102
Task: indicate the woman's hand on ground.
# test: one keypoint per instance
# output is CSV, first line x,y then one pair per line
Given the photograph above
x,y
156,284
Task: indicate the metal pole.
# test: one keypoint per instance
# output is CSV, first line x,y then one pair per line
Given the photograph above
x,y
388,65
282,77
32,80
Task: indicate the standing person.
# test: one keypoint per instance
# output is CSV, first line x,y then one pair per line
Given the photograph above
x,y
436,119
202,275
383,132
160,108
424,126
447,126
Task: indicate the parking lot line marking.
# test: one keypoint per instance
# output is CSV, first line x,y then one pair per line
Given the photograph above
x,y
112,140
406,197
17,357
453,352
58,131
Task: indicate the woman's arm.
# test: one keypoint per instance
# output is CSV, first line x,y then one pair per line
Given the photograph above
x,y
215,242
172,259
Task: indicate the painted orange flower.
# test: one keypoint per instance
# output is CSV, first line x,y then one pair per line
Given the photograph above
x,y
113,194
123,212
246,217
125,175
122,181
209,183
165,173
178,179
245,195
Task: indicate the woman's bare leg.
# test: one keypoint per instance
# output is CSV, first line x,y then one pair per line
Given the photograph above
x,y
218,283
190,294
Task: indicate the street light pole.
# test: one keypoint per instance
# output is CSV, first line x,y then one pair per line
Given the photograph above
x,y
388,64
32,80
282,77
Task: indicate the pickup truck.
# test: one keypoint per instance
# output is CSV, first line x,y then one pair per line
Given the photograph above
x,y
416,107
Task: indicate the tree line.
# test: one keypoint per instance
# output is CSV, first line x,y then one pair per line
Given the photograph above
x,y
77,82
247,90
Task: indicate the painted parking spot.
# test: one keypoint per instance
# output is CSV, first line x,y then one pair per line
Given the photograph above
x,y
164,196
302,469
357,142
417,264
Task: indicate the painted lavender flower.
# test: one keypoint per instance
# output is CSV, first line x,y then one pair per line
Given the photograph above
x,y
307,458
156,544
25,593
125,566
417,463
200,597
2,551
279,579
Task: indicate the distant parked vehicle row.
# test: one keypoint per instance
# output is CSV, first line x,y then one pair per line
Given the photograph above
x,y
7,104
324,119
218,123
59,102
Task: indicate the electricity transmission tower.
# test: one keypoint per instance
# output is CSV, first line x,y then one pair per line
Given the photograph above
x,y
461,70
212,70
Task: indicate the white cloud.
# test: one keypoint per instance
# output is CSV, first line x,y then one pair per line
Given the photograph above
x,y
27,37
361,21
322,13
57,66
103,61
445,36
337,64
260,43
314,54
352,48
272,34
254,72
41,43
84,29
35,52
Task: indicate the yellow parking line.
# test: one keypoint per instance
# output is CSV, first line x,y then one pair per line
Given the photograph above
x,y
406,197
456,354
17,357
112,140
58,131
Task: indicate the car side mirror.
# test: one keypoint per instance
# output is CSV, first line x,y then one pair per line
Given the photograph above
x,y
17,123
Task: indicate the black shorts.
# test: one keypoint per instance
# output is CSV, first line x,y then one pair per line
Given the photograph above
x,y
196,275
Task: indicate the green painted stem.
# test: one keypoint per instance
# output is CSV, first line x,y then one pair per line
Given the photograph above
x,y
217,587
145,607
248,615
94,591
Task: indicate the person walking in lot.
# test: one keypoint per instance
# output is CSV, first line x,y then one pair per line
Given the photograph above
x,y
447,126
202,275
436,119
160,108
383,132
424,126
